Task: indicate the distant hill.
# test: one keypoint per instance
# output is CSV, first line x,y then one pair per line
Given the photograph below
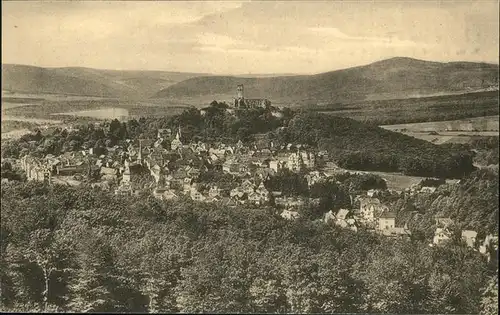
x,y
87,81
388,79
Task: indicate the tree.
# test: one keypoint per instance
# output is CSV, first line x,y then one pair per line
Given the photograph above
x,y
396,279
489,300
46,252
98,286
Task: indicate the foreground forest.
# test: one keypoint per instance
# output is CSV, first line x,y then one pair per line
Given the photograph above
x,y
86,250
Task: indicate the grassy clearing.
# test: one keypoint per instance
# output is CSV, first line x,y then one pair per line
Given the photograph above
x,y
396,181
477,124
444,138
105,113
455,131
416,110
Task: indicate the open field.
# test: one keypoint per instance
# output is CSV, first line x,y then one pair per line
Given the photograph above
x,y
9,105
453,131
20,97
444,137
105,113
414,110
395,181
30,120
399,182
477,124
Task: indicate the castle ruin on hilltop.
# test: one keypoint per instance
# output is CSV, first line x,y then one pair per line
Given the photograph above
x,y
240,102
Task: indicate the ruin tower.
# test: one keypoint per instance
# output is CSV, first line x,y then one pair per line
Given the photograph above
x,y
240,92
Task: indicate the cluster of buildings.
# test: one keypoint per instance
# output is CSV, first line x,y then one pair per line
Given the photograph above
x,y
51,167
445,229
372,215
249,166
175,167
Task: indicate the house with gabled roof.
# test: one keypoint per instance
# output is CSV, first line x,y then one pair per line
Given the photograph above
x,y
247,186
386,221
469,237
342,218
370,209
329,217
126,189
231,166
187,184
192,171
238,195
396,232
109,171
373,193
169,195
214,199
289,202
276,165
441,235
489,247
196,195
315,177
214,192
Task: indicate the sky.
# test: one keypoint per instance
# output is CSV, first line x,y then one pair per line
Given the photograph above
x,y
249,37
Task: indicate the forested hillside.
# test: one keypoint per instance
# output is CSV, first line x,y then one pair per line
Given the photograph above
x,y
354,145
81,249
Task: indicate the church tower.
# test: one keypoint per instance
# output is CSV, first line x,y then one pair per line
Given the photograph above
x,y
176,143
178,135
139,154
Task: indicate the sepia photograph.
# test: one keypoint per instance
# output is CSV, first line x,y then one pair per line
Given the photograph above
x,y
290,157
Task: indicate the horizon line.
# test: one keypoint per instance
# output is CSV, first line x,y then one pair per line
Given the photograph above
x,y
245,74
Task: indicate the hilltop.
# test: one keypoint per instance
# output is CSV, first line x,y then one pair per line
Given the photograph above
x,y
87,81
388,79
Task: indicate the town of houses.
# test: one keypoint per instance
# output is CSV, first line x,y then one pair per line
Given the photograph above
x,y
252,165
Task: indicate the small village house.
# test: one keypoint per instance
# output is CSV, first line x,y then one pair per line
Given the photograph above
x,y
469,237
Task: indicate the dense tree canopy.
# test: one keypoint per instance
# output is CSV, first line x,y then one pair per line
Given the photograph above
x,y
83,249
